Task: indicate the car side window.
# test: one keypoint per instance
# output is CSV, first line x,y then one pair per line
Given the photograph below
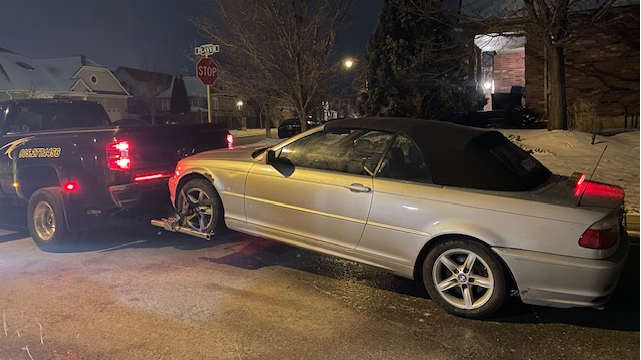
x,y
343,150
404,161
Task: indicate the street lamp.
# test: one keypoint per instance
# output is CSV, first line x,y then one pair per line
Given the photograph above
x,y
243,119
348,64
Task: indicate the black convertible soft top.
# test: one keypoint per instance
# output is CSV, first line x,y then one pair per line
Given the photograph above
x,y
463,156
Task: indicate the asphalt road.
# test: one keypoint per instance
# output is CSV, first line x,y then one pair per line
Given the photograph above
x,y
132,291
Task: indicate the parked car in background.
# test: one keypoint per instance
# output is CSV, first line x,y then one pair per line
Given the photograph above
x,y
463,210
291,127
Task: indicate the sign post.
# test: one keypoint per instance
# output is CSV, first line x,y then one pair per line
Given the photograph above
x,y
207,70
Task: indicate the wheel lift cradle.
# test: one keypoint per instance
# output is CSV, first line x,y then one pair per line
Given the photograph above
x,y
176,223
173,224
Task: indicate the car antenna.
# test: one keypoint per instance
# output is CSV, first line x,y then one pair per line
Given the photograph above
x,y
598,162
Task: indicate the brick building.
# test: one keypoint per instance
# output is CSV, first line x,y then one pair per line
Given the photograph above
x,y
602,68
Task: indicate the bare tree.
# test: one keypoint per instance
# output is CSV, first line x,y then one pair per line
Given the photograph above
x,y
551,24
33,89
146,93
279,51
148,89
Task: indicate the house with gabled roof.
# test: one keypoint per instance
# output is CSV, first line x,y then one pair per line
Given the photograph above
x,y
75,77
143,86
226,108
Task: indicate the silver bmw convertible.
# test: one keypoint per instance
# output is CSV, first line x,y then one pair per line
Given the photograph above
x,y
463,211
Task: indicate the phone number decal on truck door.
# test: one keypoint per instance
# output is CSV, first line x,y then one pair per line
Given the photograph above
x,y
39,153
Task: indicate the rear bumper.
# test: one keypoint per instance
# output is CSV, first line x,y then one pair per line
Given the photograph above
x,y
563,281
131,195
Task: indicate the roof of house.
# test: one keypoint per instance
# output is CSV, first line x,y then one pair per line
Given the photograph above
x,y
194,86
147,76
20,72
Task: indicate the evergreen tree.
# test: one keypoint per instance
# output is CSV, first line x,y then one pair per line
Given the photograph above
x,y
416,65
179,103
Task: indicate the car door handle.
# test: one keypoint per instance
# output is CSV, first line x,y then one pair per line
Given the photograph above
x,y
355,187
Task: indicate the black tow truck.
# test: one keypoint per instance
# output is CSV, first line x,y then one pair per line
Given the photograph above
x,y
73,168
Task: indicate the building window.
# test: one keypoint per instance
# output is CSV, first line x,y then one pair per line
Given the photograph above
x,y
164,104
214,103
94,79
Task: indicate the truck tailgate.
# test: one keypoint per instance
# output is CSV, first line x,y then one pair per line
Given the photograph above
x,y
161,146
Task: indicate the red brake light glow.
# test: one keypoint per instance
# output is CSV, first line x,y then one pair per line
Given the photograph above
x,y
593,193
150,177
230,141
580,185
603,190
70,186
118,156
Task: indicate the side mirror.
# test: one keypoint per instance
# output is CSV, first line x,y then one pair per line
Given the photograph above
x,y
269,157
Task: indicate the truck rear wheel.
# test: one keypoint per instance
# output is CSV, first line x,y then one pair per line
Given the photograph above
x,y
199,202
46,219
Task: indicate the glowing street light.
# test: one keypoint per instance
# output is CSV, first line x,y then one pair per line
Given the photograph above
x,y
348,63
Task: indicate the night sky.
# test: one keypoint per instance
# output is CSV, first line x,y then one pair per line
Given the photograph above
x,y
145,34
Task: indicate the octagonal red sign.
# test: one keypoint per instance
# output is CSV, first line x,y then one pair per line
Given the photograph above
x,y
207,71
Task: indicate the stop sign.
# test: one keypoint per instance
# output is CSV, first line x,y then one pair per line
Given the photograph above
x,y
207,71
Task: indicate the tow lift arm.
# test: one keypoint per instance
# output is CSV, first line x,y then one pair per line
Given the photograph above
x,y
178,222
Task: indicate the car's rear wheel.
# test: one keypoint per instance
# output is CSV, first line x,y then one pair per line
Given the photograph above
x,y
465,278
46,219
199,202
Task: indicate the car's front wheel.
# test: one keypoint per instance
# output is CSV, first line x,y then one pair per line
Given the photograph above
x,y
465,278
199,202
46,219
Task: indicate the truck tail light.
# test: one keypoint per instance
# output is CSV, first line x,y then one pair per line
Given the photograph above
x,y
601,235
230,141
118,156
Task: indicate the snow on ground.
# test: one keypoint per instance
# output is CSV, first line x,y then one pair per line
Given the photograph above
x,y
564,152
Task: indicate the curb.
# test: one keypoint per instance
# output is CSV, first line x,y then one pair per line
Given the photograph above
x,y
632,224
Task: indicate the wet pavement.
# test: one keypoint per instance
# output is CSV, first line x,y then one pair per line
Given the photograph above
x,y
132,291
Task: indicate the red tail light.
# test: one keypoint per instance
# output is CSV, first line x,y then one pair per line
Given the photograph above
x,y
118,156
230,141
602,235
